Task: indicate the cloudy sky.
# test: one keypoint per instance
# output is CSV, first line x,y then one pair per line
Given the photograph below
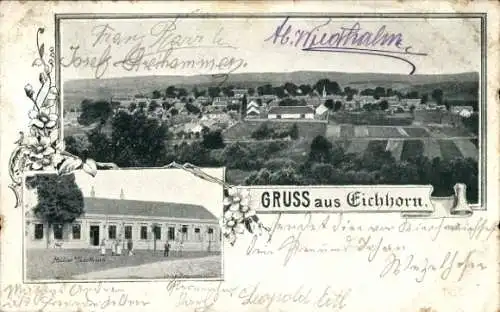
x,y
449,45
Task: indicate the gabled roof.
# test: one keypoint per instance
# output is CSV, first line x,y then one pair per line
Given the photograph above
x,y
252,103
321,109
253,110
291,110
106,206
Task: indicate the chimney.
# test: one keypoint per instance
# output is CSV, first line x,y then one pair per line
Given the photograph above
x,y
122,195
92,192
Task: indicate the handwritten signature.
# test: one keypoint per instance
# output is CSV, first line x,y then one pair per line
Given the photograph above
x,y
160,49
348,39
451,262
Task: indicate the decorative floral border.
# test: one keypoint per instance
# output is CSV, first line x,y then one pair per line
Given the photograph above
x,y
42,149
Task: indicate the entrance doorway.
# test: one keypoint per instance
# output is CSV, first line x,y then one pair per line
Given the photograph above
x,y
94,235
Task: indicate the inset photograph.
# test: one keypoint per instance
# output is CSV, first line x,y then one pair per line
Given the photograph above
x,y
122,224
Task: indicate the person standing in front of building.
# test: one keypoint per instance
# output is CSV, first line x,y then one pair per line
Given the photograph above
x,y
119,247
130,245
103,247
181,246
167,249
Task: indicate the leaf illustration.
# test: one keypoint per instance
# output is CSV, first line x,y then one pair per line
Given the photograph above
x,y
69,165
37,62
42,93
255,218
248,222
54,135
90,167
42,50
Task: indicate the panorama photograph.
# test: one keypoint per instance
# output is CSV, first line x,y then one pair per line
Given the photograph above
x,y
288,117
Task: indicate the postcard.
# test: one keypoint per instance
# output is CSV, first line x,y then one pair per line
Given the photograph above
x,y
211,156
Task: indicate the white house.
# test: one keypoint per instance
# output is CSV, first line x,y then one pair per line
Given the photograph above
x,y
291,112
147,224
462,110
320,110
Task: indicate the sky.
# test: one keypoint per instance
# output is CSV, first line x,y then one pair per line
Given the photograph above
x,y
162,185
239,45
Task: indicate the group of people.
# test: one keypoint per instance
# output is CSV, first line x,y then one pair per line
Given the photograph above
x,y
177,248
117,247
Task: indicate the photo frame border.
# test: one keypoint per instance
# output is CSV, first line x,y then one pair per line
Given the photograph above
x,y
482,147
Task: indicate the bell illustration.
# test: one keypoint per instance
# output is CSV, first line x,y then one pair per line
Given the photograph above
x,y
460,207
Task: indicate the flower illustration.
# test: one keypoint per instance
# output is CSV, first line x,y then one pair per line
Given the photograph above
x,y
40,154
238,214
28,89
43,119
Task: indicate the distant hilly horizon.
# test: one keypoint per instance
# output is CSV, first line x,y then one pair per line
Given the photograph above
x,y
77,90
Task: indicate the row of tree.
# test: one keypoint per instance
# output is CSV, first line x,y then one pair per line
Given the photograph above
x,y
292,89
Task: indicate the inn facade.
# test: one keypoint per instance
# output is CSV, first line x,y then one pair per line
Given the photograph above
x,y
148,224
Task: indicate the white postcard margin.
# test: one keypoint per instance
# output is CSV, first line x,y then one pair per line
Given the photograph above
x,y
346,282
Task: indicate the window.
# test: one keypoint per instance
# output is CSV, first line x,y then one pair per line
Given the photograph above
x,y
112,232
76,230
157,232
302,115
197,234
211,234
171,233
38,231
128,232
184,232
58,231
144,232
278,116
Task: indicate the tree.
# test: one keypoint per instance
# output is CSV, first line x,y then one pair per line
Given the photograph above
x,y
437,95
77,145
156,94
244,103
424,98
213,92
228,91
174,111
251,91
383,105
262,132
192,109
181,92
153,106
447,105
94,111
132,107
197,93
137,140
294,132
60,200
331,87
170,92
329,104
337,106
291,88
320,149
305,89
279,92
213,140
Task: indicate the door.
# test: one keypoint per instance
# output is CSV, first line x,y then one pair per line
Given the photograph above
x,y
94,235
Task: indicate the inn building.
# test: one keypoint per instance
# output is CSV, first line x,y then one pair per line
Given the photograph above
x,y
148,224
